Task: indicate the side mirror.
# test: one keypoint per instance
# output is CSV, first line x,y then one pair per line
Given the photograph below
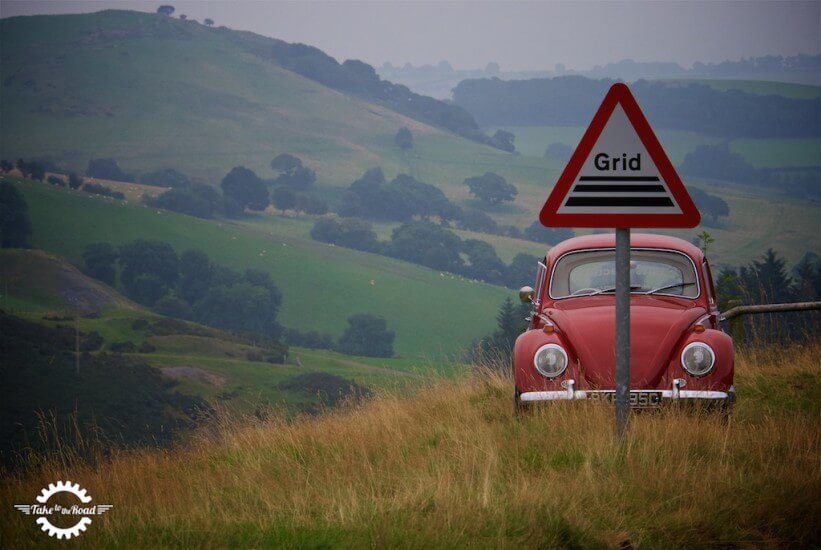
x,y
526,294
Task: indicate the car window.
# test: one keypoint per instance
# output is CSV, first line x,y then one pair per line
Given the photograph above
x,y
593,271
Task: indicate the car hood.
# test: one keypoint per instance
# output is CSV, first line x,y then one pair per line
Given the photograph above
x,y
656,324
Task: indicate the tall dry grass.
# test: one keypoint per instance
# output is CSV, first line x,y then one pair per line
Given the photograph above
x,y
452,465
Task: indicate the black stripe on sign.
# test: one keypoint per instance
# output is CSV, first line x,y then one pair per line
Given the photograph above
x,y
619,201
618,178
618,188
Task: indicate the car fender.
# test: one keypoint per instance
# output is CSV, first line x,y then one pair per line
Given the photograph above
x,y
526,377
721,376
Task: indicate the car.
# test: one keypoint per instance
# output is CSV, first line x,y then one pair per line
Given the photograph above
x,y
677,350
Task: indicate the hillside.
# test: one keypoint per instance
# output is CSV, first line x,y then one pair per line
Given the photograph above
x,y
155,92
452,466
433,314
209,363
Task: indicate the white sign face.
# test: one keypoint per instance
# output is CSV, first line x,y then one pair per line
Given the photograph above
x,y
619,176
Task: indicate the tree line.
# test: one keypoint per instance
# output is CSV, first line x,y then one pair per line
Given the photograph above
x,y
720,162
572,100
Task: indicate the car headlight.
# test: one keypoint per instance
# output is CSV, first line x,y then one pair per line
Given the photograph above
x,y
550,360
697,358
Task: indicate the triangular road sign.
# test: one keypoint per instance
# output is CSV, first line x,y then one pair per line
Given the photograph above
x,y
619,175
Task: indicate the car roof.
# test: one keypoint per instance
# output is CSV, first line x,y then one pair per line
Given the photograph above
x,y
637,240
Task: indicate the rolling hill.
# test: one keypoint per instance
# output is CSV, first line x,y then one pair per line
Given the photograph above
x,y
433,314
154,92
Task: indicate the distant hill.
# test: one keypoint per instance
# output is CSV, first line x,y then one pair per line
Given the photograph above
x,y
155,92
572,100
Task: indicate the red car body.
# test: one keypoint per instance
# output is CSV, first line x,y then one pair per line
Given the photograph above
x,y
661,327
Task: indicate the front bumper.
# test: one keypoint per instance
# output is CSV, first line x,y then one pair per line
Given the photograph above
x,y
675,393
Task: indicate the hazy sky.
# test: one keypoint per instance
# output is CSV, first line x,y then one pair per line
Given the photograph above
x,y
517,35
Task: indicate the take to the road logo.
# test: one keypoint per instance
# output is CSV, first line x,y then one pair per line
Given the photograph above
x,y
81,510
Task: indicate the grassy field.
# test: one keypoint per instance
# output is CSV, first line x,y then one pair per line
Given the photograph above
x,y
46,289
432,314
452,466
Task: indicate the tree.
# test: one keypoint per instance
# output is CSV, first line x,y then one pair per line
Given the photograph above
x,y
201,201
311,205
427,244
285,162
510,323
244,186
521,271
15,224
56,180
485,264
504,140
149,268
367,335
476,220
31,169
74,181
350,233
165,9
195,275
283,198
404,139
208,22
166,177
171,306
183,16
243,306
98,259
491,188
300,177
536,232
107,169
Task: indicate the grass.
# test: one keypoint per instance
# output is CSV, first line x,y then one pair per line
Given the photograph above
x,y
452,466
433,315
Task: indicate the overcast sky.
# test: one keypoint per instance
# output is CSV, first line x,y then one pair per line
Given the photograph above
x,y
517,35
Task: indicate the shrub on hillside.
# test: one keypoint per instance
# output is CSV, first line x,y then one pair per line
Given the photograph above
x,y
491,188
245,188
403,139
427,244
107,169
198,200
367,335
285,162
536,232
97,189
349,232
98,261
167,177
15,224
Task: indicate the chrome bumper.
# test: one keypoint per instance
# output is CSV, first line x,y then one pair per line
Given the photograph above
x,y
676,392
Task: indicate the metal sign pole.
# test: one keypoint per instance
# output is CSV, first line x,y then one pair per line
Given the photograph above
x,y
622,331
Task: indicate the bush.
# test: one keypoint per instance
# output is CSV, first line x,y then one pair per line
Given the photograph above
x,y
491,188
56,180
403,139
74,181
244,186
107,169
167,177
97,189
98,260
122,347
283,198
199,201
350,233
15,224
476,220
285,162
367,335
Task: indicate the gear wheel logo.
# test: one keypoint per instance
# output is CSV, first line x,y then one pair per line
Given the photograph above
x,y
42,509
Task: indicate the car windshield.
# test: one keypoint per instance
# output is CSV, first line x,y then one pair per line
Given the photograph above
x,y
589,272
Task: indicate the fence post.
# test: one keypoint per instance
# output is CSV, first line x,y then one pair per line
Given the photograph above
x,y
736,324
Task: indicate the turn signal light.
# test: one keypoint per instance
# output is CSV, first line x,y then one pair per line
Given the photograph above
x,y
549,329
698,329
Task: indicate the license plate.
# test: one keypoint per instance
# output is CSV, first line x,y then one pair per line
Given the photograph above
x,y
637,398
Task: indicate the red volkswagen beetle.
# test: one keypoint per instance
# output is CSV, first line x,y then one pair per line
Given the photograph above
x,y
676,349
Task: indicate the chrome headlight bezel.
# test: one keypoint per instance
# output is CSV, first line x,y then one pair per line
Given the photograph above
x,y
708,349
550,375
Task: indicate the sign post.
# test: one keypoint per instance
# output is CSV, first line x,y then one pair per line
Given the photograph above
x,y
622,331
619,177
